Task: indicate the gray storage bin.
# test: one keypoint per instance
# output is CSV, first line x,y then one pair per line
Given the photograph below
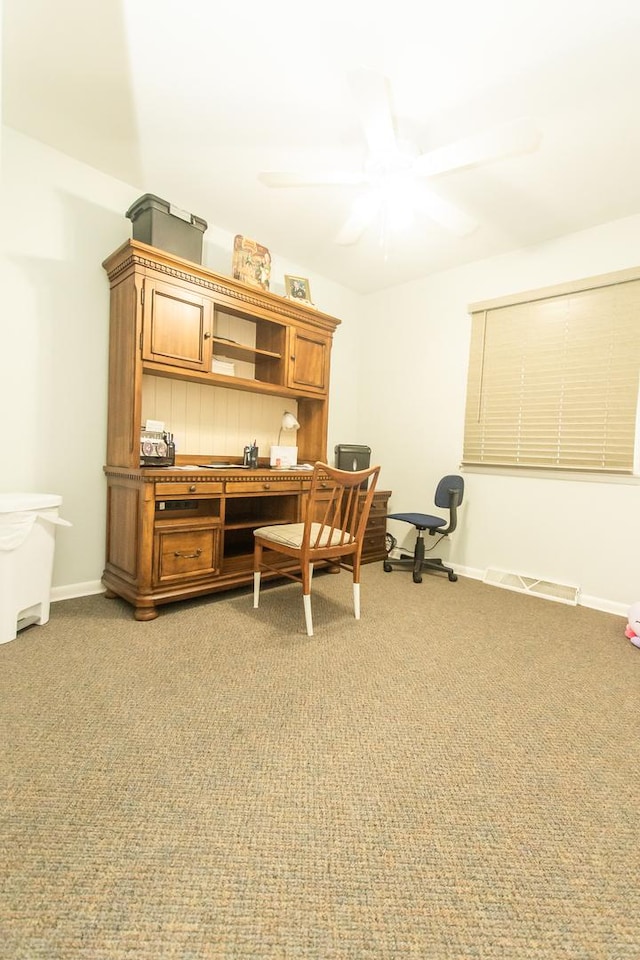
x,y
162,225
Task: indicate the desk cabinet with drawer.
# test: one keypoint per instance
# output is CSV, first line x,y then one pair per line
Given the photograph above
x,y
171,536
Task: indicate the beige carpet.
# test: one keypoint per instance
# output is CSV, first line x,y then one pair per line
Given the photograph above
x,y
456,776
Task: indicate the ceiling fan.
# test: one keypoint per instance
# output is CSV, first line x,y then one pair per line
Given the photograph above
x,y
396,174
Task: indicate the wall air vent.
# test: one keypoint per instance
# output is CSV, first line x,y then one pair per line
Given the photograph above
x,y
561,592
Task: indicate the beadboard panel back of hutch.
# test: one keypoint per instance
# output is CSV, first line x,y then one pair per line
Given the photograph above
x,y
209,420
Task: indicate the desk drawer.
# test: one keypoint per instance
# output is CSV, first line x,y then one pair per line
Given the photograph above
x,y
185,554
323,485
376,526
263,486
373,546
181,489
379,504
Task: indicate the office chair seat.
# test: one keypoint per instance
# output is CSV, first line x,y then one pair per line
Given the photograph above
x,y
449,493
421,521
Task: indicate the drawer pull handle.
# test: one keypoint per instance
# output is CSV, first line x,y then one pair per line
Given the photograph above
x,y
187,556
266,486
192,488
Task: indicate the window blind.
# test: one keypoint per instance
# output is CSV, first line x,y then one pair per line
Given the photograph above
x,y
553,380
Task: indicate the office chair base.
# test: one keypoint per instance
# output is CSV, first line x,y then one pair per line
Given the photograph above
x,y
418,566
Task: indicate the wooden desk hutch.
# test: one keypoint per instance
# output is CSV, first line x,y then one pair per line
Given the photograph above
x,y
174,533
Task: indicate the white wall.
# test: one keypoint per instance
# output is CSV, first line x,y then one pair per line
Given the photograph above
x,y
574,532
60,220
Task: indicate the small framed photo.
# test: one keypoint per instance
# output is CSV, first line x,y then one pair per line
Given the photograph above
x,y
297,288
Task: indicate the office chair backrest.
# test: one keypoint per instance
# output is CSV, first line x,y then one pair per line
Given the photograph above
x,y
449,494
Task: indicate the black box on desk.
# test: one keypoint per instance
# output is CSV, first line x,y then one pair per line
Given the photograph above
x,y
162,225
353,456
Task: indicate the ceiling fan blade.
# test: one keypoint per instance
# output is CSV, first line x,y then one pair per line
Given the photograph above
x,y
445,213
507,140
363,213
310,178
372,96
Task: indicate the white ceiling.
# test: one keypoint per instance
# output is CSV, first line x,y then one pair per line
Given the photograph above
x,y
191,100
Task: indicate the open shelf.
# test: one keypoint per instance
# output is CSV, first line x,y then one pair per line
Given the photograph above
x,y
188,511
154,369
242,563
250,524
238,351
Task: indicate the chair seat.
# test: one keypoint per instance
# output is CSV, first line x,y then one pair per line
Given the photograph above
x,y
423,521
291,534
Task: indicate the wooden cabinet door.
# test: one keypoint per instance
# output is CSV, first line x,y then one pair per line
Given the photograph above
x,y
309,356
176,325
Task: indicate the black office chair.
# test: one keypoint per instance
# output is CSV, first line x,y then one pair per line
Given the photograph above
x,y
449,493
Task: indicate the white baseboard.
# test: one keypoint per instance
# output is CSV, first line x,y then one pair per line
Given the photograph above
x,y
607,606
595,603
73,590
92,587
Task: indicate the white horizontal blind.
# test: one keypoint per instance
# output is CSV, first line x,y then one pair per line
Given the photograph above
x,y
553,382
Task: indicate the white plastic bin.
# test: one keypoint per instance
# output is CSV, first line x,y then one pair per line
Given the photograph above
x,y
27,537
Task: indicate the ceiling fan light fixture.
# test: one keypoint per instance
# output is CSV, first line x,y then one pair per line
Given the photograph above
x,y
390,199
395,170
398,201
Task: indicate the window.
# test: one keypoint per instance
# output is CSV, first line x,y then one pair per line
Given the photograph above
x,y
553,377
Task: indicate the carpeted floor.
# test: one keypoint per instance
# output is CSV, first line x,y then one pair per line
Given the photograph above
x,y
455,776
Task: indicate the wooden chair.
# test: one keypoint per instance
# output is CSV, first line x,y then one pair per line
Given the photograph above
x,y
336,515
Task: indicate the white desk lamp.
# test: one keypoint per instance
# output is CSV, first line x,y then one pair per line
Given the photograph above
x,y
285,456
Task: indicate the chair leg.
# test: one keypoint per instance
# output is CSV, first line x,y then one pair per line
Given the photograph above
x,y
306,599
356,600
256,590
307,572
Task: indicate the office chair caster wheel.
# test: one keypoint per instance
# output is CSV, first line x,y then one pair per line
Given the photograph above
x,y
453,577
417,578
389,543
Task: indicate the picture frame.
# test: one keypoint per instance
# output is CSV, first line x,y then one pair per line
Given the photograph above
x,y
297,288
251,262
